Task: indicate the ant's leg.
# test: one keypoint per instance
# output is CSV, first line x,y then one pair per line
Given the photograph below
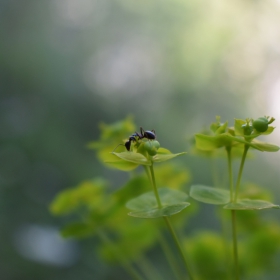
x,y
138,135
142,131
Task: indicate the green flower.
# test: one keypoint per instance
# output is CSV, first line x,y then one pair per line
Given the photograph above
x,y
242,133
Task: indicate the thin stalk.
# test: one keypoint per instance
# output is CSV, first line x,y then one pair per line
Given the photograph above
x,y
169,226
246,148
228,149
127,266
155,187
233,212
234,239
227,251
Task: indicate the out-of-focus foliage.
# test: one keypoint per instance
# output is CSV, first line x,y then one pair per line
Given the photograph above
x,y
208,254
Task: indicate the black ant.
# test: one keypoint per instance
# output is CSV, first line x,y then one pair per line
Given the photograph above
x,y
130,139
149,134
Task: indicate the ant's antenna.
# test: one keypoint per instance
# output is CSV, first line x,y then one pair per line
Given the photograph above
x,y
117,147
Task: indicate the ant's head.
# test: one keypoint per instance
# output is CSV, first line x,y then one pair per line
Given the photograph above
x,y
128,145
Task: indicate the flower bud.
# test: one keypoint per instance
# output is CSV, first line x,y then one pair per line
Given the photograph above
x,y
261,124
152,147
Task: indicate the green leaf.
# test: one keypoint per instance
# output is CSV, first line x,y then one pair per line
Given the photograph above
x,y
264,147
209,195
145,206
160,212
111,135
121,164
133,157
87,194
164,154
210,143
256,144
221,129
238,129
250,204
268,131
148,200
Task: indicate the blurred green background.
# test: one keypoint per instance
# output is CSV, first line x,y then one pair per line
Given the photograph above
x,y
68,65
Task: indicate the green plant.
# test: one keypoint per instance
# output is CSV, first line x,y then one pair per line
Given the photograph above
x,y
159,203
242,136
156,193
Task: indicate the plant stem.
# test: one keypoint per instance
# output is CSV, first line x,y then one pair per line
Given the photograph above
x,y
227,251
233,212
234,239
228,149
246,148
167,221
128,267
155,187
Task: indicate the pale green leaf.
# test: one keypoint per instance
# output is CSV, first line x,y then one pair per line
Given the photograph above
x,y
210,143
121,165
265,147
148,200
87,193
238,129
250,204
160,156
160,212
133,157
268,131
209,195
221,129
256,144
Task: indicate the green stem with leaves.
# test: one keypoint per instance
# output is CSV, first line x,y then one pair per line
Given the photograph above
x,y
168,223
